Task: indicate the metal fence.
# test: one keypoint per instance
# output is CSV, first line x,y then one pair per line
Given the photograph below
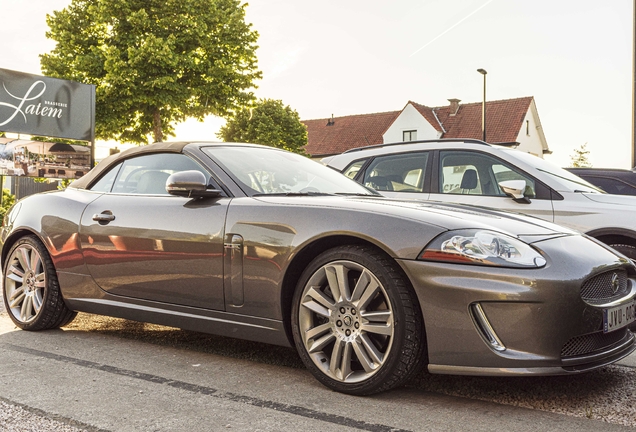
x,y
25,186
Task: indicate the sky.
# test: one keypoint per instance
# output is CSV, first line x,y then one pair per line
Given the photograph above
x,y
364,56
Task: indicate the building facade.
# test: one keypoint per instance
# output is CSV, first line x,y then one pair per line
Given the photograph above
x,y
510,122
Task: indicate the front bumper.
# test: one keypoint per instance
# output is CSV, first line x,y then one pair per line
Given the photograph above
x,y
531,321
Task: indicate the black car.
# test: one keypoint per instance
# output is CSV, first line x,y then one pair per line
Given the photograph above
x,y
611,180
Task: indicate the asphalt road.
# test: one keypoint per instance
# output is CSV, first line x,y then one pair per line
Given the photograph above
x,y
115,375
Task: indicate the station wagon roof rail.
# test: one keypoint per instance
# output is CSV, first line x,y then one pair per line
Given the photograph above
x,y
437,141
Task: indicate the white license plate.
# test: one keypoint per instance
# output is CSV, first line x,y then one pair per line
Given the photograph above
x,y
619,316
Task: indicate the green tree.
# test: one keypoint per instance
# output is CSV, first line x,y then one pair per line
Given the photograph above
x,y
579,158
7,201
155,62
268,122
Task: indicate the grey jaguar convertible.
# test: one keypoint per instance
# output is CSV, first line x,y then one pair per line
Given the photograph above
x,y
257,243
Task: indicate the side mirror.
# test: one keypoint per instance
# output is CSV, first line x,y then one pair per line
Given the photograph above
x,y
191,184
514,189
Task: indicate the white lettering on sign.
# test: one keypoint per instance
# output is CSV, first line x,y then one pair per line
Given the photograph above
x,y
32,109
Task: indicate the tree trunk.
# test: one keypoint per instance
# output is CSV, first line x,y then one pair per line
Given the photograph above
x,y
156,126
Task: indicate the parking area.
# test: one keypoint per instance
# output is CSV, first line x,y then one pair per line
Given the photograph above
x,y
110,374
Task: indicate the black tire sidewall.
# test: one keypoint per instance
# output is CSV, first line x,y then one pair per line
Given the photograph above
x,y
43,318
359,255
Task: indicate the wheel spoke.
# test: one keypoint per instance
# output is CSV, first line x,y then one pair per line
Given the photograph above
x,y
16,298
318,345
338,282
27,307
381,329
16,274
368,294
40,280
37,303
377,316
371,350
340,364
363,282
23,258
317,331
35,261
318,302
363,358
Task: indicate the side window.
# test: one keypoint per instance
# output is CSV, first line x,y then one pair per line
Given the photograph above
x,y
473,173
352,170
147,175
105,183
400,173
611,185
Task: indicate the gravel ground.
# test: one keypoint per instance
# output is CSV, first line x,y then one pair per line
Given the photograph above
x,y
607,394
15,418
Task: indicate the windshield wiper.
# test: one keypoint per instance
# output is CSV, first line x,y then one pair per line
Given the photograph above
x,y
356,194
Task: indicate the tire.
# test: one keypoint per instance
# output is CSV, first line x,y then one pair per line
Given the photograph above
x,y
31,290
628,250
356,322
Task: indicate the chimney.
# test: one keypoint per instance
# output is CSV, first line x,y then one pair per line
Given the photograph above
x,y
331,121
454,106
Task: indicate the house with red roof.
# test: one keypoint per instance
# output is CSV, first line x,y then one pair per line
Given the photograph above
x,y
509,122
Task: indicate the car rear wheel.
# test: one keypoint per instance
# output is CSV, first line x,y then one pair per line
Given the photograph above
x,y
356,322
31,291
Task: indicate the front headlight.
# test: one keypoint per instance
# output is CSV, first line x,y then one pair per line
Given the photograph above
x,y
482,247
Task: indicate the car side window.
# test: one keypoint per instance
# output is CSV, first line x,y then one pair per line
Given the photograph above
x,y
105,183
352,170
610,185
399,173
147,175
473,173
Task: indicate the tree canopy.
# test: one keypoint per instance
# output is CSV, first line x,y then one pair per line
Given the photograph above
x,y
155,62
579,158
268,122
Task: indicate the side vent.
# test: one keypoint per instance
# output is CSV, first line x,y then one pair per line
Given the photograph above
x,y
484,328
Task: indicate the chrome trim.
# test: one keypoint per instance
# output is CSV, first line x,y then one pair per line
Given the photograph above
x,y
484,328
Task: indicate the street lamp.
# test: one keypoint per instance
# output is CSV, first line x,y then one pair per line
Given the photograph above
x,y
483,107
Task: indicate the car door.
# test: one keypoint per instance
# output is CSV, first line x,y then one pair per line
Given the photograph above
x,y
472,177
401,176
138,241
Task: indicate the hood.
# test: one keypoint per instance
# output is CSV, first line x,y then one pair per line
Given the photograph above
x,y
443,215
626,200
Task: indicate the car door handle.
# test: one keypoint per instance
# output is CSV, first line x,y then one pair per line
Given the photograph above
x,y
105,216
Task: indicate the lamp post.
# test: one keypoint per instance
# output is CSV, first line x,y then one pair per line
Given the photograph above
x,y
483,107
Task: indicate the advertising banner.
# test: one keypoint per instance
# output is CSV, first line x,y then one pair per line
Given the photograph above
x,y
38,105
43,106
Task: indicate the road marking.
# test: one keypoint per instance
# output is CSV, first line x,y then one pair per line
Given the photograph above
x,y
209,391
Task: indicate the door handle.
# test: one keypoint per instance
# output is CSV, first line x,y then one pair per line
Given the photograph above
x,y
105,217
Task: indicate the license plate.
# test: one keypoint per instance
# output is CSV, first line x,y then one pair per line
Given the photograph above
x,y
619,316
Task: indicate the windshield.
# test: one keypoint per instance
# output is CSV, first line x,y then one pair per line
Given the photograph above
x,y
564,177
266,171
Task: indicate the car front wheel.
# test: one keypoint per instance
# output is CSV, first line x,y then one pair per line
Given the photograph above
x,y
356,321
31,291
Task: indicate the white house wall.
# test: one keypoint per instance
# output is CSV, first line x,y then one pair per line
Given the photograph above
x,y
410,119
530,136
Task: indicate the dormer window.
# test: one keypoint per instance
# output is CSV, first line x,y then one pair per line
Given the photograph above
x,y
410,135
